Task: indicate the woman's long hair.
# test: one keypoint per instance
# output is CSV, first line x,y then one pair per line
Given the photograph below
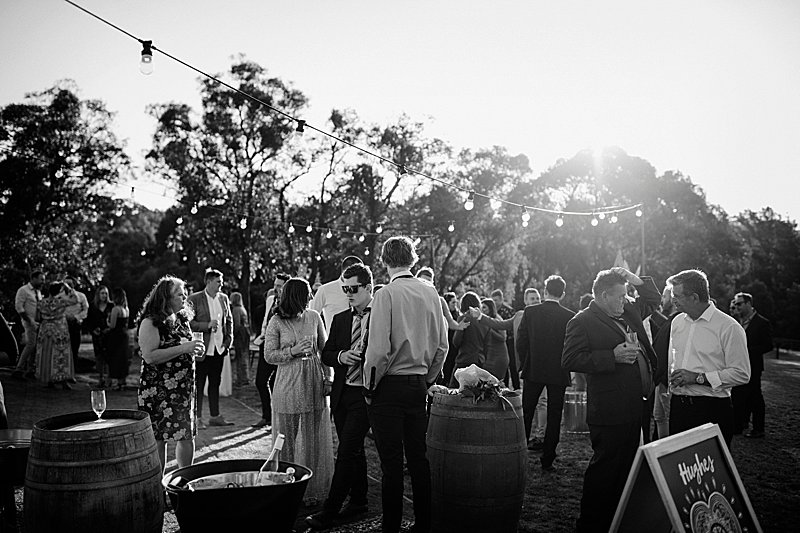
x,y
294,299
96,299
156,304
236,299
489,303
120,298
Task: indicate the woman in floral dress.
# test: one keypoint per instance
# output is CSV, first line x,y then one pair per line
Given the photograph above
x,y
54,363
166,387
293,341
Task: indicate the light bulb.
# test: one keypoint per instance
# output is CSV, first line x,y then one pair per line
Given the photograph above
x,y
366,251
470,203
179,221
309,229
379,229
639,213
193,210
559,222
601,216
494,204
361,237
524,223
595,222
329,234
291,228
243,223
143,253
146,62
301,126
526,216
451,228
614,218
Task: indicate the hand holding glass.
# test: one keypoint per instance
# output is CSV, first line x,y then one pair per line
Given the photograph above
x,y
197,336
98,402
308,348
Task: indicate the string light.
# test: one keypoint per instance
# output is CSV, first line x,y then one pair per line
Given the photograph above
x,y
146,62
470,203
524,223
143,253
495,204
329,234
526,216
243,223
193,210
559,221
309,229
379,229
595,222
402,170
614,218
301,125
639,213
361,237
291,228
601,216
451,228
179,221
366,251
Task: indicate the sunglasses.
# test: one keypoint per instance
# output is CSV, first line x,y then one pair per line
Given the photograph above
x,y
352,289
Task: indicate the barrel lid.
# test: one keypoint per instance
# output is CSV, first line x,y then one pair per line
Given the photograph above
x,y
87,420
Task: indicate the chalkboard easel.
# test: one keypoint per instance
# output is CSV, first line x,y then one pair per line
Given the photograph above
x,y
685,483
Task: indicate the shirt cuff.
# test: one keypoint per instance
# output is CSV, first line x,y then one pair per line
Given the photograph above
x,y
339,357
713,379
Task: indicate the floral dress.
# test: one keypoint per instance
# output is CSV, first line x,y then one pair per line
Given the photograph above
x,y
167,390
54,362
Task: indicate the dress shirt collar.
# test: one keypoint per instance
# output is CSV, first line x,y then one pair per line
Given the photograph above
x,y
402,274
707,314
209,296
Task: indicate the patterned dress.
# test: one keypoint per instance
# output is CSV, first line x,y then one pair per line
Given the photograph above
x,y
167,390
54,363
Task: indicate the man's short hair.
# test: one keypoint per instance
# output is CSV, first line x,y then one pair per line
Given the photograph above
x,y
36,274
531,290
211,273
497,292
359,270
586,299
555,285
282,276
350,260
693,281
399,252
425,271
449,296
605,280
746,296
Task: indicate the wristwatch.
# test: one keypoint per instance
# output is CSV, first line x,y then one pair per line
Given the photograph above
x,y
700,379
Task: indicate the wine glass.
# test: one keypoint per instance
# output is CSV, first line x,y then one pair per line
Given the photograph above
x,y
310,350
98,402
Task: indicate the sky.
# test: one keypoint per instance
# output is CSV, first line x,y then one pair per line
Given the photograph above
x,y
710,88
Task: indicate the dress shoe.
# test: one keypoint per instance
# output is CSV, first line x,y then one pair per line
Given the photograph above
x,y
263,423
201,424
535,444
321,520
218,421
753,434
352,509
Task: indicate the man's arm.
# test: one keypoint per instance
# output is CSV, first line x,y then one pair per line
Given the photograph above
x,y
763,336
521,342
578,356
379,347
227,332
737,362
19,305
331,351
438,357
495,323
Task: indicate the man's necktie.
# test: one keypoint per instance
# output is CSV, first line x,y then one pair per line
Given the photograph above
x,y
354,372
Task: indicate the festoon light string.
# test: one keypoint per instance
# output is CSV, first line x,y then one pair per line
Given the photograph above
x,y
597,214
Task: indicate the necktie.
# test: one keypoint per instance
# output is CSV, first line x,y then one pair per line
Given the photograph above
x,y
354,372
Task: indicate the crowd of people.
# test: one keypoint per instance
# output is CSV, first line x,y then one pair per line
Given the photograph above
x,y
652,363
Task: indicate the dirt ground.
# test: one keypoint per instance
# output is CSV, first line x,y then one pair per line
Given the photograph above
x,y
769,468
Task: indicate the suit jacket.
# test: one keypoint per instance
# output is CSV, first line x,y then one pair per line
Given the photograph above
x,y
759,341
661,347
339,340
540,342
614,391
202,317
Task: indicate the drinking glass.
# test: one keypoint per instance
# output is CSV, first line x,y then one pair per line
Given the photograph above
x,y
308,351
98,402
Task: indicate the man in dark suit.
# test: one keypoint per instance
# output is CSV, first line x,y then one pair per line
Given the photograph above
x,y
748,398
607,342
212,316
344,353
540,341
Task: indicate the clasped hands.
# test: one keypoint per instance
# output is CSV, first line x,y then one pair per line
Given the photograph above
x,y
681,377
626,353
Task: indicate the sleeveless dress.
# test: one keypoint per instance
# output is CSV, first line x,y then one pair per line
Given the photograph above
x,y
118,349
167,390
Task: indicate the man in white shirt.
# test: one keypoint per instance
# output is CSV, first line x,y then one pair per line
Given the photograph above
x,y
26,301
329,300
213,317
76,314
707,357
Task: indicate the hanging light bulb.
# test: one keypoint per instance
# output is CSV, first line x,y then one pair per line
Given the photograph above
x,y
559,221
143,253
361,237
495,204
329,234
243,223
301,126
451,228
595,222
379,229
193,210
470,203
179,221
524,223
366,251
146,63
674,209
614,218
291,228
639,213
526,216
309,229
318,257
601,216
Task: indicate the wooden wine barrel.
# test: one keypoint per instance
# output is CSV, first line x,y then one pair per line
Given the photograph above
x,y
88,475
478,457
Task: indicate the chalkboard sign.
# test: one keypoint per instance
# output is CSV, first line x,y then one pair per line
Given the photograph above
x,y
685,483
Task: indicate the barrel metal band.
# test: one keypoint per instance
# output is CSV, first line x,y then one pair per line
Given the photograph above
x,y
101,460
95,485
477,450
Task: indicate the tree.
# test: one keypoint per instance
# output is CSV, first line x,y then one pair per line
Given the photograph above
x,y
57,156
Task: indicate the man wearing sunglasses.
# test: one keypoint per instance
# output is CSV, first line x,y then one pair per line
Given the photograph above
x,y
407,344
329,300
344,353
